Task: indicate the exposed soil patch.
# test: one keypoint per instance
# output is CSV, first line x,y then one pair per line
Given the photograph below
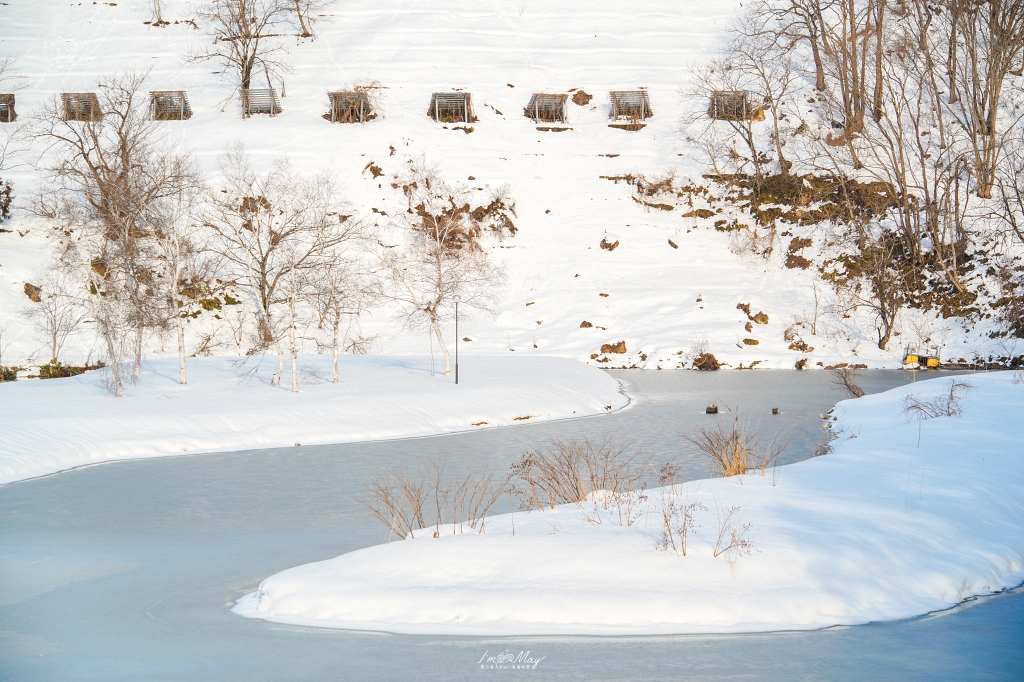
x,y
619,347
581,98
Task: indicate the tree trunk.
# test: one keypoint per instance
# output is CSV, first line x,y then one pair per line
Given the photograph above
x,y
876,104
951,64
819,67
444,348
295,355
337,326
115,366
182,378
302,22
275,380
139,336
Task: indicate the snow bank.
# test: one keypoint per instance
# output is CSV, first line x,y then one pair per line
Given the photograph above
x,y
881,529
58,424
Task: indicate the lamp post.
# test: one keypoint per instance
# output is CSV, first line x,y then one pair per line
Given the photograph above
x,y
456,298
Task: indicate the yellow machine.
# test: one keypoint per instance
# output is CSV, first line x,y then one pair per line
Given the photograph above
x,y
922,356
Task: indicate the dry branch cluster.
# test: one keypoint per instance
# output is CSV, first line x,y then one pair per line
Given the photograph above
x,y
569,471
405,503
943,405
733,451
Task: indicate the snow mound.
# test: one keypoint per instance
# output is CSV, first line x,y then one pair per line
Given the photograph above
x,y
59,424
896,522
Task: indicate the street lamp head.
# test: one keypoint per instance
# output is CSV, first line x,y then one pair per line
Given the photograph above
x,y
456,298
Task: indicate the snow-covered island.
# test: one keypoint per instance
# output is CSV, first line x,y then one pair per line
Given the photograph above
x,y
222,408
909,514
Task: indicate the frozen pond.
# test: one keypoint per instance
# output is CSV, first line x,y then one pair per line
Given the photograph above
x,y
126,571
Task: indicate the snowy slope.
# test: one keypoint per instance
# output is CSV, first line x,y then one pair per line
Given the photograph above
x,y
501,52
881,529
223,409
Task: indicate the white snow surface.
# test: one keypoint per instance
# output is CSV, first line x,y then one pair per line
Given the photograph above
x,y
881,529
60,424
661,300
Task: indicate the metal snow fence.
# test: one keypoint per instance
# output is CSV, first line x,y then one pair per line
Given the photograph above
x,y
262,101
547,108
81,106
7,112
634,105
451,107
350,106
169,105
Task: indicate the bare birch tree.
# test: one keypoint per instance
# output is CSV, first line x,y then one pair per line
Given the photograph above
x,y
338,292
104,175
182,254
244,36
440,255
270,228
61,307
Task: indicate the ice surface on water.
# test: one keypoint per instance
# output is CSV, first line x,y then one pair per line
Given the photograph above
x,y
127,571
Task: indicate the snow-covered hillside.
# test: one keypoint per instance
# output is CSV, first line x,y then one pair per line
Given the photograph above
x,y
662,300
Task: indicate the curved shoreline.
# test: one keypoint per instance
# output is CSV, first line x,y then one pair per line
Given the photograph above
x,y
218,415
839,542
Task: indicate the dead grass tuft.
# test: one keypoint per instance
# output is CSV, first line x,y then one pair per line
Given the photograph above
x,y
734,452
568,471
407,502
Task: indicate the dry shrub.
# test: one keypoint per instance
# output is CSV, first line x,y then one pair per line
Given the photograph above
x,y
568,471
706,362
845,378
734,452
676,515
944,405
405,503
732,534
823,448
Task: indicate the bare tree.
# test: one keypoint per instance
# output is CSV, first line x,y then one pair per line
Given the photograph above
x,y
718,137
304,11
986,44
271,229
338,291
60,308
875,276
104,176
803,20
440,256
182,254
768,58
243,34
